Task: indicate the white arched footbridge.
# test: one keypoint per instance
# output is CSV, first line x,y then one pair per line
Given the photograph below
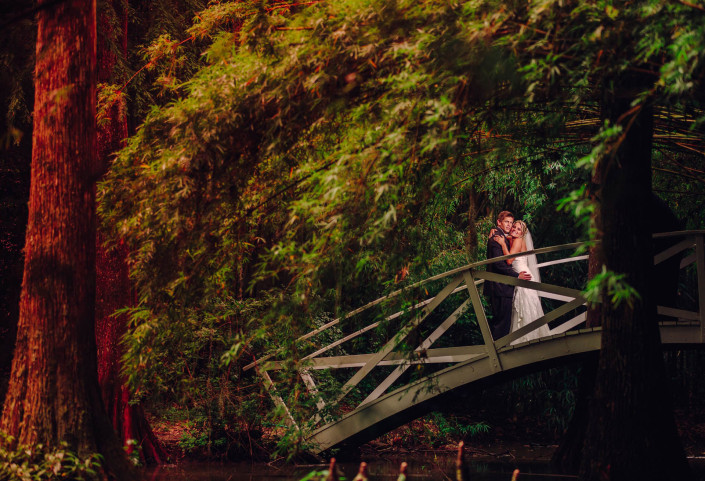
x,y
383,392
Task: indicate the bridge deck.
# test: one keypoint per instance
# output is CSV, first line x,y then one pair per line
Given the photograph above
x,y
397,397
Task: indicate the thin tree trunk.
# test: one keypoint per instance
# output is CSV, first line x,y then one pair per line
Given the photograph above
x,y
113,287
113,292
596,260
53,393
473,214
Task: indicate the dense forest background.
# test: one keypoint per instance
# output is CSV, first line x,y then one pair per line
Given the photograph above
x,y
265,167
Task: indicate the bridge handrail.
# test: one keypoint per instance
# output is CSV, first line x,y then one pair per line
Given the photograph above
x,y
679,233
458,270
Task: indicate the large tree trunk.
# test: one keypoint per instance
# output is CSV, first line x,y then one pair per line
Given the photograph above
x,y
53,394
113,288
664,282
632,432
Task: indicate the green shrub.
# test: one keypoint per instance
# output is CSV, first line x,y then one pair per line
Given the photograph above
x,y
40,463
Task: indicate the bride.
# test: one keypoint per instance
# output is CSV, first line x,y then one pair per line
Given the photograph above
x,y
526,306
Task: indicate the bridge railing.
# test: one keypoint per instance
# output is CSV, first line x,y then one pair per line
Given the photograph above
x,y
686,247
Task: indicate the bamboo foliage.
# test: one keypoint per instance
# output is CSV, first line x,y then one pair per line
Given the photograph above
x,y
321,148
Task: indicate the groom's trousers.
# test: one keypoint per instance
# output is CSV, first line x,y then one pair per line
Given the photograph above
x,y
501,316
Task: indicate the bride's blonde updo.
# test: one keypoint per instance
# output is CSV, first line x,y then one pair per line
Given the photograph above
x,y
522,226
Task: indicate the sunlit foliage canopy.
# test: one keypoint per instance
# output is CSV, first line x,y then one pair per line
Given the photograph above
x,y
311,151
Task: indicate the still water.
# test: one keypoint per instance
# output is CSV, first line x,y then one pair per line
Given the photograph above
x,y
420,468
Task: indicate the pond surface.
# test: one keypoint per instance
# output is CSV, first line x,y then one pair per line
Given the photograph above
x,y
420,468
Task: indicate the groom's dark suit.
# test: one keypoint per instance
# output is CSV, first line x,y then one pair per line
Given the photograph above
x,y
500,295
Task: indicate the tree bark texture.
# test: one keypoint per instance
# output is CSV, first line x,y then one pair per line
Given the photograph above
x,y
113,287
632,432
114,291
596,260
53,393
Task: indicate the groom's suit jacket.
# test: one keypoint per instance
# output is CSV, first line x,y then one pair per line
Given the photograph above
x,y
500,267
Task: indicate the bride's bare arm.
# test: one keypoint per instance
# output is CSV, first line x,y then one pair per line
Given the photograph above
x,y
517,246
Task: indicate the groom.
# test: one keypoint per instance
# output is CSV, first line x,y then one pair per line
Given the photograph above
x,y
501,295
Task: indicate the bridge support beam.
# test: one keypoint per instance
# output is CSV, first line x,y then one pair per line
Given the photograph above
x,y
482,320
700,261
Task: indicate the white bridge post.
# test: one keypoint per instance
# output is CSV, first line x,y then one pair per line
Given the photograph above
x,y
700,264
482,320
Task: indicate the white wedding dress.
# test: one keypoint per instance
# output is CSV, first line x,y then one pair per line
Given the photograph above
x,y
526,306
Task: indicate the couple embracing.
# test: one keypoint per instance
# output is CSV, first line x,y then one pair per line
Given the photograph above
x,y
513,308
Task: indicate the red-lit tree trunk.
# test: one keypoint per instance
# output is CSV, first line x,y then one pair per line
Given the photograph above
x,y
53,393
114,292
113,288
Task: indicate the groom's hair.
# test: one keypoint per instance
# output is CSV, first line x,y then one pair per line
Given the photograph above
x,y
503,214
